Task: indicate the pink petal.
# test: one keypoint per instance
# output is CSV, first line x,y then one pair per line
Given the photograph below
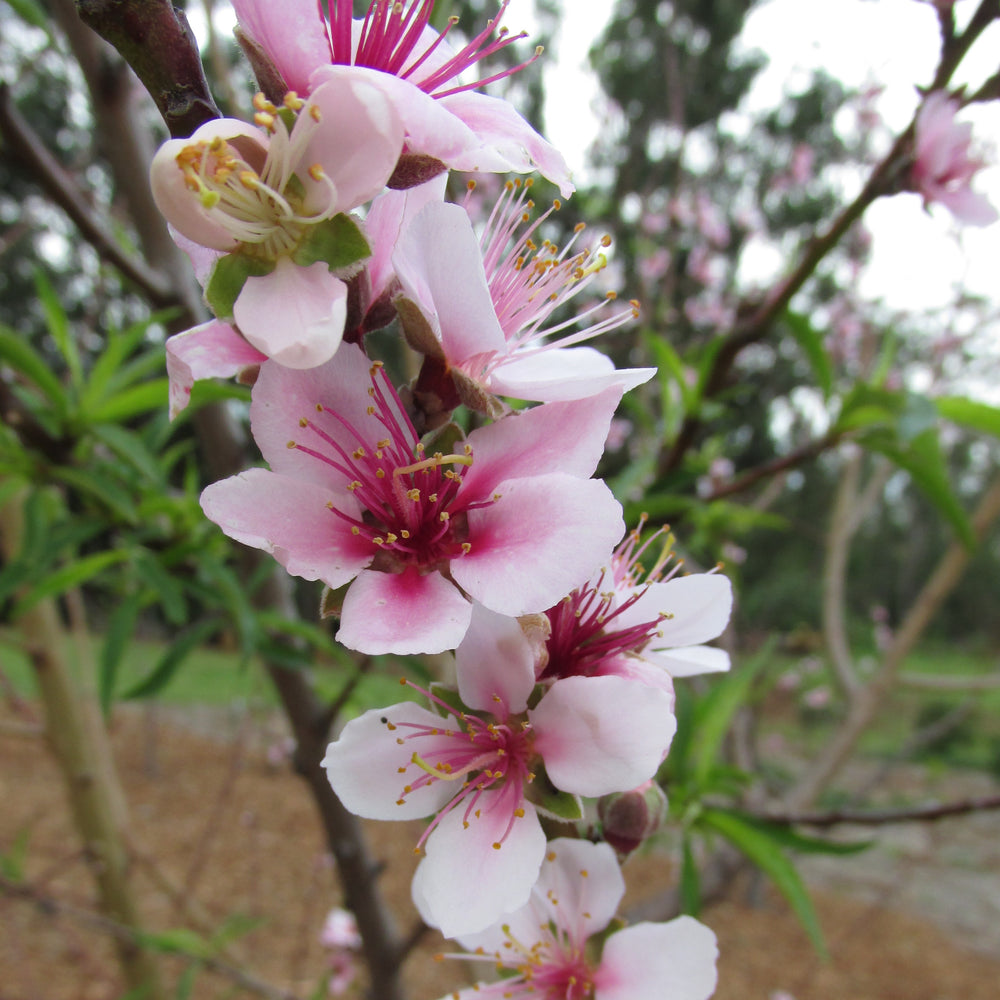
x,y
202,258
390,214
358,144
495,660
440,266
181,206
292,33
697,608
212,350
464,884
561,374
652,961
369,769
542,538
283,397
430,128
295,315
969,206
599,735
403,613
646,670
291,520
555,437
508,142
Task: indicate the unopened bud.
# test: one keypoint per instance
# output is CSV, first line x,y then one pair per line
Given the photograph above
x,y
628,818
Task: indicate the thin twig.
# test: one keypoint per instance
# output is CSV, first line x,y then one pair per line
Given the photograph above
x,y
926,813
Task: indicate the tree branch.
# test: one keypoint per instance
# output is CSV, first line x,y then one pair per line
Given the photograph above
x,y
929,812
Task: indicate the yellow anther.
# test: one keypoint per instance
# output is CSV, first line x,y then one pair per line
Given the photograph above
x,y
303,422
316,172
291,444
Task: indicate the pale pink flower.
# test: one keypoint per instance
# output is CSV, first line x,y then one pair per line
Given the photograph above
x,y
556,946
341,939
260,197
474,767
395,48
486,304
649,626
511,519
944,165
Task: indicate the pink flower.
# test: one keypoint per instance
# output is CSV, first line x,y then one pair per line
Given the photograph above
x,y
340,930
475,767
943,165
395,48
485,304
271,200
509,519
649,628
555,947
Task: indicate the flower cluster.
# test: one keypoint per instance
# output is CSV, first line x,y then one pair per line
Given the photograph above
x,y
446,515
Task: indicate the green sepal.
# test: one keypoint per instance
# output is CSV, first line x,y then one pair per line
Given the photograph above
x,y
551,802
228,278
338,242
446,439
450,697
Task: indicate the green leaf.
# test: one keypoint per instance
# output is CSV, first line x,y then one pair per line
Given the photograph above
x,y
672,368
23,358
968,413
794,841
99,488
918,415
12,861
168,589
133,401
74,575
31,12
131,448
120,629
765,852
58,326
228,278
690,879
168,664
924,461
110,373
810,340
338,242
714,713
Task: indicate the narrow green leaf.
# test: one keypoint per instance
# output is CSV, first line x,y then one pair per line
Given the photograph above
x,y
795,841
169,590
106,372
74,575
969,413
923,459
58,326
714,713
133,401
690,880
12,861
228,278
918,415
99,488
810,340
130,447
120,629
672,368
338,242
23,358
170,661
765,852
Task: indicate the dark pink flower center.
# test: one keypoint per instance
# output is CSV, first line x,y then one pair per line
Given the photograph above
x,y
412,509
492,753
393,40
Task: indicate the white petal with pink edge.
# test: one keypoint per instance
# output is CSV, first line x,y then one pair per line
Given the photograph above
x,y
690,661
599,735
290,519
403,613
541,538
563,373
653,961
364,765
295,315
697,608
465,883
212,350
494,661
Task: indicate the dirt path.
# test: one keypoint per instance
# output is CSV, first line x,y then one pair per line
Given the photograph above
x,y
235,832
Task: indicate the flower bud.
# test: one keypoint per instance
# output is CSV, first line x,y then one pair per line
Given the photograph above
x,y
628,818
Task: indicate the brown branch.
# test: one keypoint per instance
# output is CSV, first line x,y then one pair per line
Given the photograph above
x,y
21,140
926,813
123,934
155,39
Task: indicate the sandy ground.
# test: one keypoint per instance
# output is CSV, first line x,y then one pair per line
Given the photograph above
x,y
234,832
